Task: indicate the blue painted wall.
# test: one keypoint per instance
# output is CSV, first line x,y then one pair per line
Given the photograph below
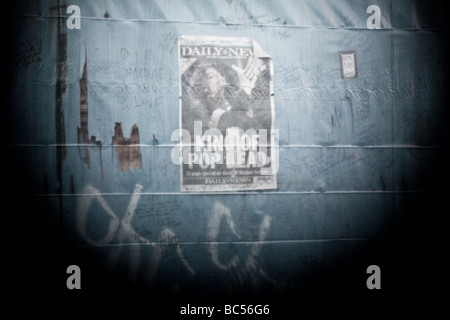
x,y
362,160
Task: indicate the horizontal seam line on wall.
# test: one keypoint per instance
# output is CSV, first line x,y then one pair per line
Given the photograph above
x,y
236,24
339,146
235,193
243,242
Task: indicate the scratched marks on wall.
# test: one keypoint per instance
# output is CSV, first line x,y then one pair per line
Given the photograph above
x,y
128,150
27,52
83,130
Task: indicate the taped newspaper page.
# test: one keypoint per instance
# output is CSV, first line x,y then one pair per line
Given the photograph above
x,y
227,139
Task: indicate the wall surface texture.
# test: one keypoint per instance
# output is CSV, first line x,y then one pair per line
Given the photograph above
x,y
363,160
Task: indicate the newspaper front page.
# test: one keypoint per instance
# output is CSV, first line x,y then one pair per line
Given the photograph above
x,y
228,141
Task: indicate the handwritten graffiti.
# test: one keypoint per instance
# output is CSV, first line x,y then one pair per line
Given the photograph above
x,y
124,232
120,231
219,214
